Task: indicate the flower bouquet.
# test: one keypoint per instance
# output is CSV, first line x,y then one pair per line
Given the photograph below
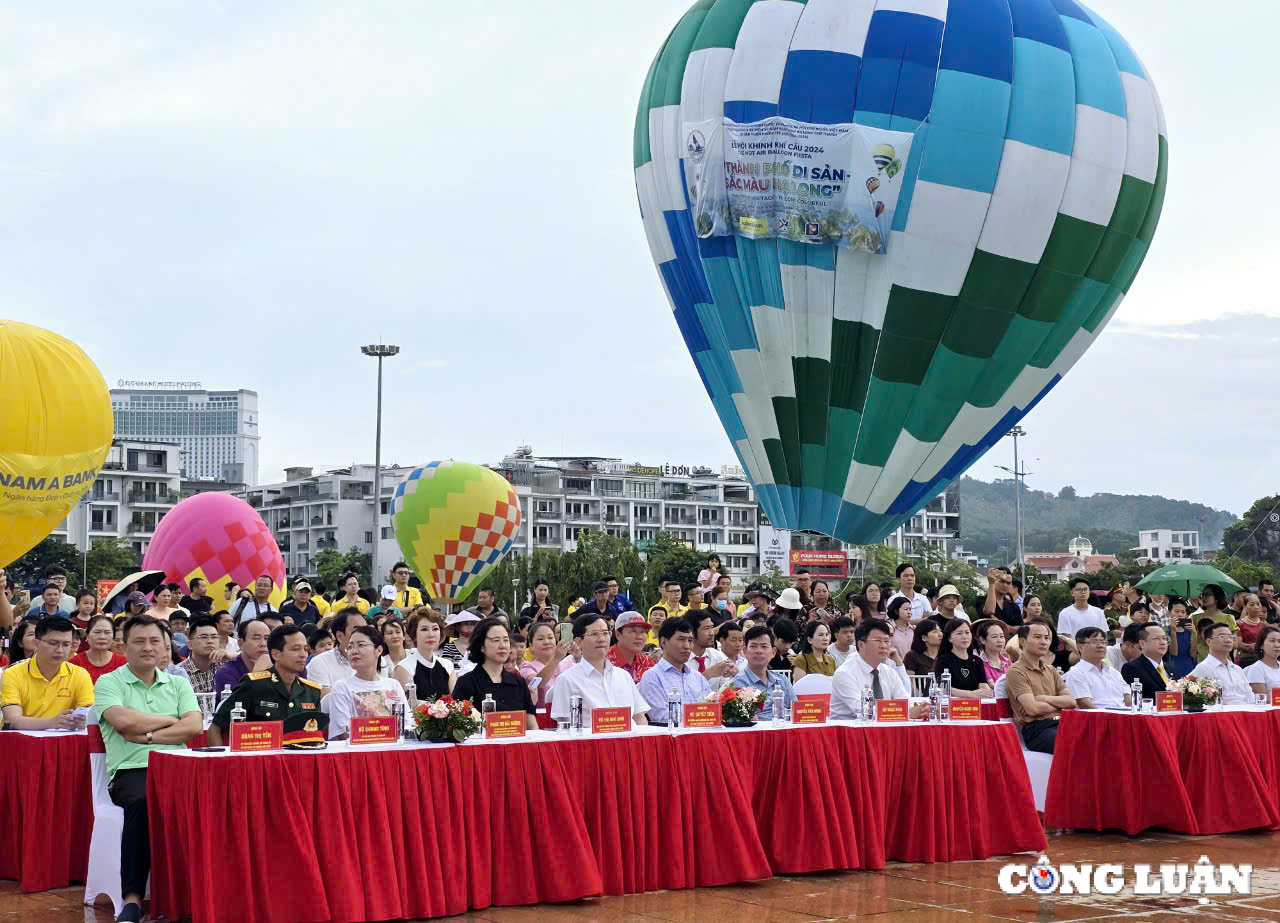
x,y
445,719
738,706
1196,692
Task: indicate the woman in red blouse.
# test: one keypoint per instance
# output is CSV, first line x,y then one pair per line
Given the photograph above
x,y
98,658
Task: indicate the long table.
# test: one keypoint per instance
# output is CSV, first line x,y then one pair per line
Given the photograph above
x,y
1203,773
421,830
48,814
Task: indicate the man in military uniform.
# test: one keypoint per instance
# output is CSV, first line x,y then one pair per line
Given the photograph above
x,y
274,694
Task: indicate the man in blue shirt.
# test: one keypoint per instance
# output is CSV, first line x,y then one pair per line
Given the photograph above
x,y
673,671
757,675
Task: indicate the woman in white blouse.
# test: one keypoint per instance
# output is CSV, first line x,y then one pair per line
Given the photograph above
x,y
1264,673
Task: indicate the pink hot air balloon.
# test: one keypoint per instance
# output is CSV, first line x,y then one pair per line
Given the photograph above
x,y
220,538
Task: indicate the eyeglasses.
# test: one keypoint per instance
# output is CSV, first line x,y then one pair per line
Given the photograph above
x,y
596,634
57,645
362,646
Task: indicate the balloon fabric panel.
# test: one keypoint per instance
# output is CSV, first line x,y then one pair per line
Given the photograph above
x,y
855,387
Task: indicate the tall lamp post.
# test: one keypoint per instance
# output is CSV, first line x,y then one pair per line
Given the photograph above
x,y
1018,475
380,351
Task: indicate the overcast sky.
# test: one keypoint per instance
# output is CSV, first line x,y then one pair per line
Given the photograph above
x,y
242,193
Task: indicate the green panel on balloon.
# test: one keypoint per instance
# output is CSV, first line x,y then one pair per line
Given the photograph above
x,y
887,407
813,378
723,22
1131,209
943,394
1022,339
1148,229
853,347
1047,296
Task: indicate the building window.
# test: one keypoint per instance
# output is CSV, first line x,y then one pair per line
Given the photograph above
x,y
368,538
388,532
546,506
709,538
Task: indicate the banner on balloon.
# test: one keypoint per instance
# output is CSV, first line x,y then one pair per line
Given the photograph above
x,y
779,178
34,485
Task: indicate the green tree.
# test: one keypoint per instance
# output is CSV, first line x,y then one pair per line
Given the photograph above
x,y
1256,536
1246,573
330,564
110,559
670,557
29,569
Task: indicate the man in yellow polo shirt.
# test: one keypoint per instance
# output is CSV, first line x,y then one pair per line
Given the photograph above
x,y
42,693
406,596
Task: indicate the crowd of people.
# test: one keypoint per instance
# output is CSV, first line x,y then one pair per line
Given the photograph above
x,y
359,654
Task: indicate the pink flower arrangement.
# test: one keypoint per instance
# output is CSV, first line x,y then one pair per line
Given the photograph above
x,y
446,718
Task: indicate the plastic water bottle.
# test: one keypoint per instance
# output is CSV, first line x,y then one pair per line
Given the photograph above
x,y
944,703
225,693
776,705
411,695
575,713
935,700
1135,690
238,713
675,707
868,710
488,706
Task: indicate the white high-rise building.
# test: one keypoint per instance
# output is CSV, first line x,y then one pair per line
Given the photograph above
x,y
216,430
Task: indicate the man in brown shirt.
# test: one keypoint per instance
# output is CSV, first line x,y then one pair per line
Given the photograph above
x,y
1037,694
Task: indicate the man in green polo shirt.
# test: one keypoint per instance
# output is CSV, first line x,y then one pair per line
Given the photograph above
x,y
140,709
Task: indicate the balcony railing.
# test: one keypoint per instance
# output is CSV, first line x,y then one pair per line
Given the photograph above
x,y
140,528
105,497
140,496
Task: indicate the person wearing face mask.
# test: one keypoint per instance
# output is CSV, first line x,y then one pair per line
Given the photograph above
x,y
719,606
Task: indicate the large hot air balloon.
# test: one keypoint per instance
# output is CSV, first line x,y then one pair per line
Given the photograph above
x,y
55,432
219,538
856,386
454,521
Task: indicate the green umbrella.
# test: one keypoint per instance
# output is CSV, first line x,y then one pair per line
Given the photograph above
x,y
1186,580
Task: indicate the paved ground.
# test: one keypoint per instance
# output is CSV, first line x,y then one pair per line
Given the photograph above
x,y
952,891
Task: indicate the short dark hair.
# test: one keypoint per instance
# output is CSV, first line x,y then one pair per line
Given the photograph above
x,y
866,626
1139,605
583,622
1053,632
1204,622
85,591
140,621
399,564
1084,634
94,619
55,570
897,571
1143,628
842,622
279,635
757,631
1178,601
243,628
201,621
693,618
925,628
343,619
1071,585
671,627
610,580
1132,633
475,651
191,584
785,630
725,628
1207,633
1266,582
374,636
53,623
895,606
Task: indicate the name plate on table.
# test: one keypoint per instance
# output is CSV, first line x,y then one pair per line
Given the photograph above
x,y
702,715
966,709
1275,696
384,729
251,736
500,724
610,720
892,709
1168,701
811,709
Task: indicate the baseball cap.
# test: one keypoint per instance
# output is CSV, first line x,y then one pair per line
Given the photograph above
x,y
631,620
137,597
388,592
599,586
302,585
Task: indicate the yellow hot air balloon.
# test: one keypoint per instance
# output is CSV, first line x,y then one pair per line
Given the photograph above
x,y
55,432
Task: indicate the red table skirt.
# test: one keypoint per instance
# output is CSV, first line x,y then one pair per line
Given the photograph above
x,y
48,817
1190,773
526,823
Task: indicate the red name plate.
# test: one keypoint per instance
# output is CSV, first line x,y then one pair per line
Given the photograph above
x,y
1275,696
380,730
610,720
702,715
811,709
1168,701
966,709
891,709
501,724
249,736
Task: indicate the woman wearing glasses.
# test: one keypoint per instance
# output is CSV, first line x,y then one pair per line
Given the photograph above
x,y
367,694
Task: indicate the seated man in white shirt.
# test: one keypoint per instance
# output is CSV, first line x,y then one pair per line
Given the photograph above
x,y
869,667
1093,681
1217,665
600,683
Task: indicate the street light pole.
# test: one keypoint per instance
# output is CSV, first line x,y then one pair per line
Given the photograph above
x,y
1017,500
380,351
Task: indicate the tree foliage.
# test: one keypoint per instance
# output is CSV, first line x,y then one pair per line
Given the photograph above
x,y
28,570
1256,536
988,523
330,564
110,559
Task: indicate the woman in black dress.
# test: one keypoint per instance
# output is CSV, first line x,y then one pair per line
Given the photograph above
x,y
490,647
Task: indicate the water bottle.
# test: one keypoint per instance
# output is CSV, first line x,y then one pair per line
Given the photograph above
x,y
238,713
776,705
410,695
226,691
1135,690
488,706
675,707
868,710
575,713
935,700
944,703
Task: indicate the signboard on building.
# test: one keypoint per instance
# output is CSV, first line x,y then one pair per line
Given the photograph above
x,y
820,563
775,545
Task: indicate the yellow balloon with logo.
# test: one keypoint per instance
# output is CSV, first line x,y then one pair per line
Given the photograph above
x,y
55,432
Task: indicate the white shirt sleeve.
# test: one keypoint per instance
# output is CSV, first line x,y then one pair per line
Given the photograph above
x,y
339,705
638,704
846,690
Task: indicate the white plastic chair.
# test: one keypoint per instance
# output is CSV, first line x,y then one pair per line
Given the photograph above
x,y
919,685
108,823
813,684
1038,764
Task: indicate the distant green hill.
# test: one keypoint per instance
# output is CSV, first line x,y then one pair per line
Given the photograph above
x,y
1110,521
